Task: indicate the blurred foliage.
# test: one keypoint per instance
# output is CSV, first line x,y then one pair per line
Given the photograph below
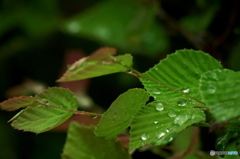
x,y
36,36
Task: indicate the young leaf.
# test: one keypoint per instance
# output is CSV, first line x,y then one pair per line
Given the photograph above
x,y
174,85
221,92
180,71
83,144
40,116
121,112
98,64
17,102
160,122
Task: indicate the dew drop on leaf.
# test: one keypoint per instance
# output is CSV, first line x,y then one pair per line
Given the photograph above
x,y
159,107
211,89
144,137
167,130
155,122
172,113
44,101
156,91
106,62
187,90
182,102
181,119
160,135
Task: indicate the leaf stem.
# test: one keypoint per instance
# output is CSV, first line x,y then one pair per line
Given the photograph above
x,y
71,110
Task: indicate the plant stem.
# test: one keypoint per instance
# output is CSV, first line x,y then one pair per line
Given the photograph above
x,y
71,110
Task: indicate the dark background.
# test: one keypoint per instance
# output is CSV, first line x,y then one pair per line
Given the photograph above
x,y
38,37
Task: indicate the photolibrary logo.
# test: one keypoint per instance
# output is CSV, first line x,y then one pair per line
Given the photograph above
x,y
212,153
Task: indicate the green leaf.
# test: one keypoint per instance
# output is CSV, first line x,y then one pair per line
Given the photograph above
x,y
98,64
121,112
221,92
17,102
128,25
174,85
181,71
41,116
160,122
83,144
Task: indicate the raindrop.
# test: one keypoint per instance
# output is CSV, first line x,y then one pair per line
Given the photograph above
x,y
44,101
182,102
160,135
144,137
211,89
156,91
155,122
167,130
93,116
187,90
106,62
159,107
172,113
181,119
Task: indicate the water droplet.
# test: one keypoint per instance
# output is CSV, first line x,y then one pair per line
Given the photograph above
x,y
167,130
187,90
182,102
94,117
144,137
172,113
181,119
211,89
156,68
159,107
160,135
155,122
44,101
156,91
106,62
171,138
